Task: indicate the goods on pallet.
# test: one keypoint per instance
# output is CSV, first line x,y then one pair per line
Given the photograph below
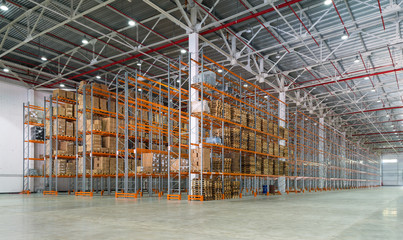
x,y
70,95
207,77
66,148
103,104
198,107
69,110
184,165
95,142
258,165
265,166
250,120
216,189
248,164
71,167
258,121
218,165
155,163
108,124
198,160
265,126
59,127
216,108
96,125
101,165
61,167
236,114
81,165
251,140
203,188
33,117
59,93
70,129
112,165
37,133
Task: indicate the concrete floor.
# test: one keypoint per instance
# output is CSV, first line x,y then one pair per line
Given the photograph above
x,y
349,214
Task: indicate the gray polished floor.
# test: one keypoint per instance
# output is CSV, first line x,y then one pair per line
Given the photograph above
x,y
348,214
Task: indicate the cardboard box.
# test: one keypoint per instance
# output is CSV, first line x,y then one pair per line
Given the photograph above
x,y
112,165
67,147
59,110
69,110
103,104
81,165
109,124
59,92
196,158
71,167
71,95
70,129
101,165
96,141
59,126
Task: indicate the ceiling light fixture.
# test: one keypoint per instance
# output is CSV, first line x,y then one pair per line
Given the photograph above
x,y
6,70
356,59
62,85
344,36
266,96
85,41
245,85
131,23
3,6
378,101
43,58
139,63
373,90
219,70
366,78
328,2
98,77
249,29
183,51
278,55
139,90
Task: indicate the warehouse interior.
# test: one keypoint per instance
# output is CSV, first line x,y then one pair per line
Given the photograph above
x,y
197,119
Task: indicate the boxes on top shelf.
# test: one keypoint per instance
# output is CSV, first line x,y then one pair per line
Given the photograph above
x,y
208,77
59,92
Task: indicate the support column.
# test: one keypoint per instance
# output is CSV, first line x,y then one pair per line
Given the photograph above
x,y
194,127
343,161
282,115
31,148
322,174
194,94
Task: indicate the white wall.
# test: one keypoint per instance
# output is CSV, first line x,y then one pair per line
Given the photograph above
x,y
392,173
12,97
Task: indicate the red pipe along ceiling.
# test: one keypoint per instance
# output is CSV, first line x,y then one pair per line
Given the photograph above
x,y
184,39
365,134
383,142
350,78
369,110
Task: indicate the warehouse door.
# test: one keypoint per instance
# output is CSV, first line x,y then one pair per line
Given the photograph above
x,y
392,173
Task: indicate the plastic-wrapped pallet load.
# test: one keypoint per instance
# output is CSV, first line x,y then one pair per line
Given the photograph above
x,y
198,105
208,77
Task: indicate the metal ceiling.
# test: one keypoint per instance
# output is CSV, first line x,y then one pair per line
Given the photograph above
x,y
355,83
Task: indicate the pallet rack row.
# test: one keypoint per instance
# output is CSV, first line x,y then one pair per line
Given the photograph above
x,y
199,128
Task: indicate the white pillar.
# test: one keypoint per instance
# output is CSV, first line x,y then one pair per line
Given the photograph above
x,y
322,174
343,156
282,115
194,94
31,101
